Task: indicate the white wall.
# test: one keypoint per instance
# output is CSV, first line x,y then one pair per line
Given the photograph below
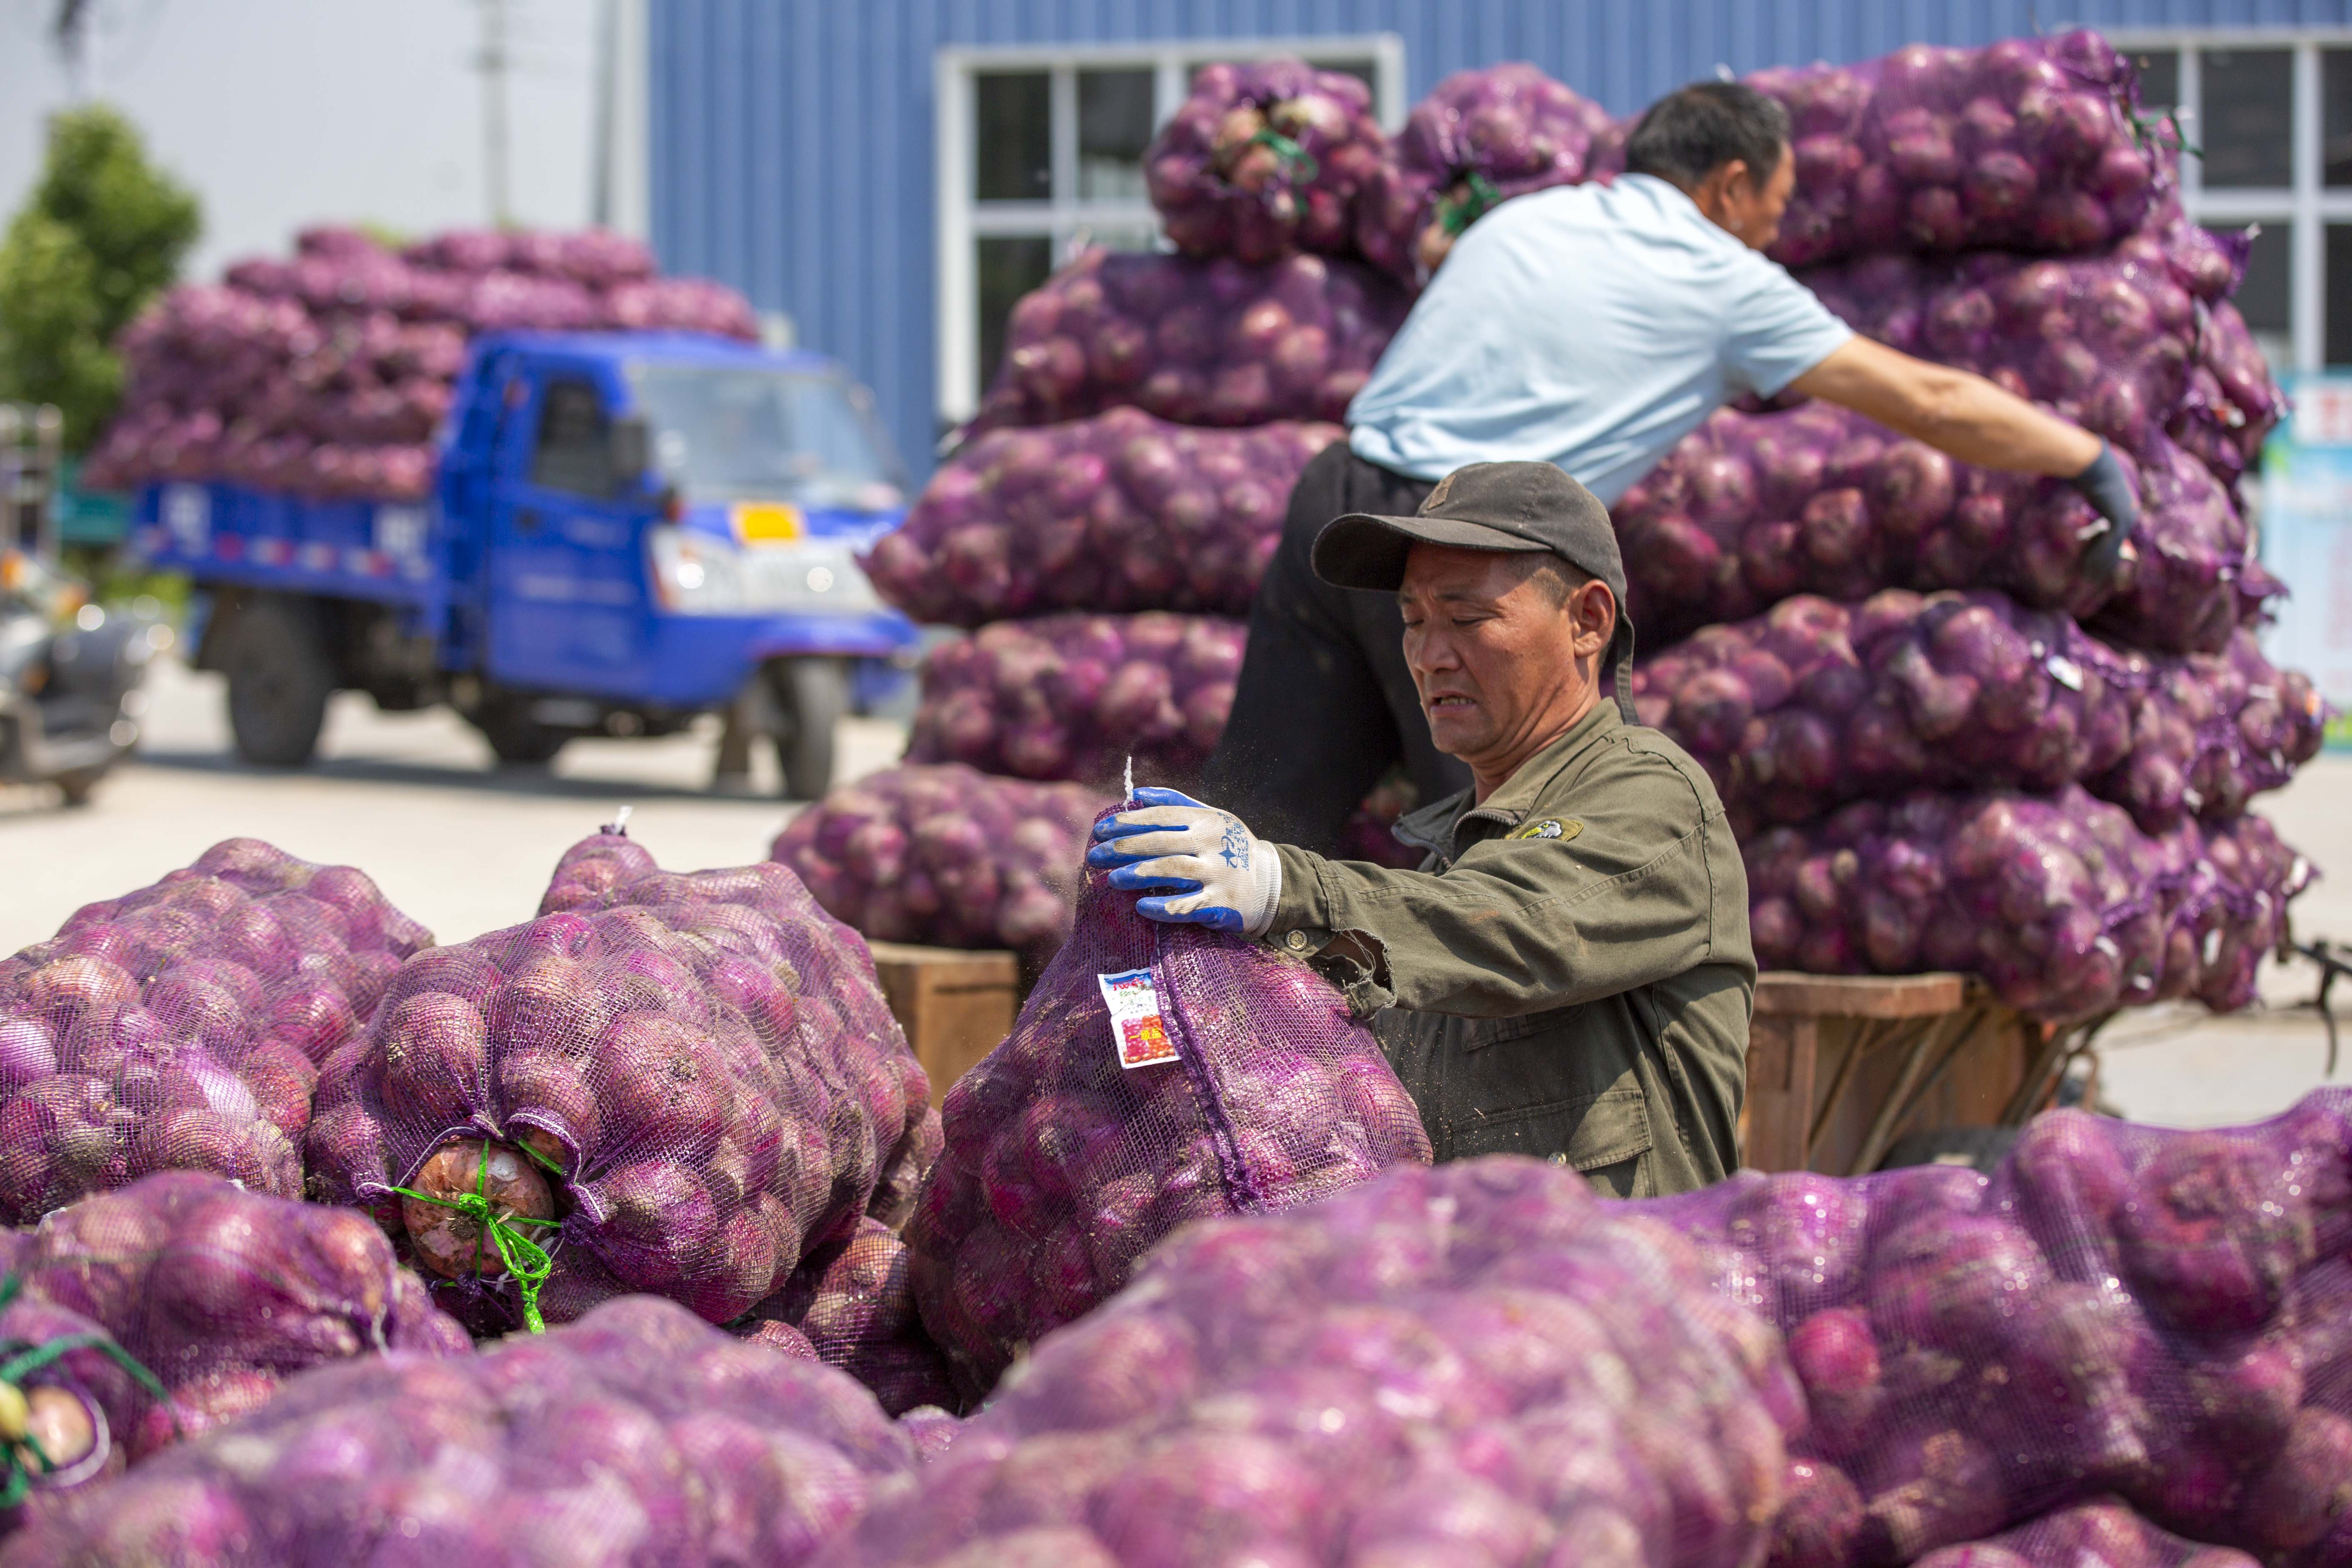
x,y
281,113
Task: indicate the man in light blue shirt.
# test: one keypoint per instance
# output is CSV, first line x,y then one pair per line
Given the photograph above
x,y
1592,327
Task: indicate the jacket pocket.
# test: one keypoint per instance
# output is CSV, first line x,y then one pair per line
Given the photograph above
x,y
1606,1136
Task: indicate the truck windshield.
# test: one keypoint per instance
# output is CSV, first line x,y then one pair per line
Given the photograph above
x,y
751,435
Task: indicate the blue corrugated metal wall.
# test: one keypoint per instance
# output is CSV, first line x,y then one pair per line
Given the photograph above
x,y
792,139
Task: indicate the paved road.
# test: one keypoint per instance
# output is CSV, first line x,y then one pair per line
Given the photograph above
x,y
466,847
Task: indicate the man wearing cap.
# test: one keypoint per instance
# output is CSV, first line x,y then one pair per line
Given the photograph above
x,y
1590,326
1569,974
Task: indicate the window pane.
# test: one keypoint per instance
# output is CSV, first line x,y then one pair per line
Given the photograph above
x,y
575,449
2160,81
1117,236
1114,127
1012,136
2246,121
2340,294
1010,266
2262,299
2335,116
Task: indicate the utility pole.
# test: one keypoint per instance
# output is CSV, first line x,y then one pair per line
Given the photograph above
x,y
75,30
493,62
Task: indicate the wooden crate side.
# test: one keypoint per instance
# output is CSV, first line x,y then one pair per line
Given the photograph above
x,y
955,1007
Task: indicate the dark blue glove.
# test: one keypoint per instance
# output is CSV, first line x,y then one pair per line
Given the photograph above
x,y
2104,485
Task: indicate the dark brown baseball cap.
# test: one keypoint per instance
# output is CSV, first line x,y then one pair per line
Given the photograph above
x,y
1488,506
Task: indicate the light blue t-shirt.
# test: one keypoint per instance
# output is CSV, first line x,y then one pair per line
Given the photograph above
x,y
1590,326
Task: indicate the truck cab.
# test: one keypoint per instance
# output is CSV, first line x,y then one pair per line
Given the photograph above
x,y
626,531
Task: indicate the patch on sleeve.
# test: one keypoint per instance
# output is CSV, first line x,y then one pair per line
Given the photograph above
x,y
1551,827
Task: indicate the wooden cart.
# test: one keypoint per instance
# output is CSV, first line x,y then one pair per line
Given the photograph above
x,y
1840,1067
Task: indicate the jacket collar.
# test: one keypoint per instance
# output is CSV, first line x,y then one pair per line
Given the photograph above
x,y
1437,826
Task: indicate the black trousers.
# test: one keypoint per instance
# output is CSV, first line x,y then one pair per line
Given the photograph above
x,y
1325,706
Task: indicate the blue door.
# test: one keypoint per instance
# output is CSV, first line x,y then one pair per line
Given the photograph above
x,y
568,610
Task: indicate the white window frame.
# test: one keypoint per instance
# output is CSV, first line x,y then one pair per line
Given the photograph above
x,y
2308,205
963,218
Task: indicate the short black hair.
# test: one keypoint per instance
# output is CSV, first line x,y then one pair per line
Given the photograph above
x,y
1694,131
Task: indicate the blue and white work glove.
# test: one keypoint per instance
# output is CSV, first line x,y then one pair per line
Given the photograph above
x,y
1215,873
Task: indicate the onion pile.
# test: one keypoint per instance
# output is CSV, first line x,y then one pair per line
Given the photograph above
x,y
1479,138
946,856
637,1435
2060,905
1815,703
2157,1314
673,1083
2101,1534
1198,343
181,1026
1262,160
329,375
223,1294
852,1302
1476,1364
2027,144
1253,1090
1119,513
1073,697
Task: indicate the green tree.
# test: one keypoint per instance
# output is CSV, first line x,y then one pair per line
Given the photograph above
x,y
102,234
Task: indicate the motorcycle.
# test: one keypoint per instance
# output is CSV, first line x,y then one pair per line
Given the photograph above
x,y
70,675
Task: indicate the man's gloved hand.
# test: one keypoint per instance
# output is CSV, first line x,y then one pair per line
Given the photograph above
x,y
1216,873
2102,484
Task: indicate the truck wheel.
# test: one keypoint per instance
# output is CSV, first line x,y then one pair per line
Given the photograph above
x,y
279,677
814,694
515,739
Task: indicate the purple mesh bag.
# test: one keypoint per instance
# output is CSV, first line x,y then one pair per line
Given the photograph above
x,y
2232,401
1479,1363
1480,137
1120,513
2154,1313
220,1294
2101,1534
1074,697
178,1027
670,1083
1231,1081
852,1301
1815,703
1264,159
636,1436
948,856
1751,508
2027,144
1196,342
2060,905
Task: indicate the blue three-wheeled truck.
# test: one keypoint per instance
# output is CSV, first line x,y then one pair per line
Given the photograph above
x,y
628,530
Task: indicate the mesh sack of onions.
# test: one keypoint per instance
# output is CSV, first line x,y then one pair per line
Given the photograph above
x,y
2162,1315
1815,703
1074,697
1264,159
2057,902
946,856
1475,1364
1480,137
219,1295
851,1300
1193,341
2026,144
1751,508
2232,401
1157,1074
636,1436
181,1026
2105,1533
1118,513
668,1083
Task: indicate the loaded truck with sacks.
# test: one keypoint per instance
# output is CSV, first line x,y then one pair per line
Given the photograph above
x,y
558,494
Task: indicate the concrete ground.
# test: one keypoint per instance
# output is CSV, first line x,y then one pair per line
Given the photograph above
x,y
415,800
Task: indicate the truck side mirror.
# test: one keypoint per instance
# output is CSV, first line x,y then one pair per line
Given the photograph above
x,y
633,452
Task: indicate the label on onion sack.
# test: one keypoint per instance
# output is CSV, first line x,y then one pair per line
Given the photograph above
x,y
1135,1027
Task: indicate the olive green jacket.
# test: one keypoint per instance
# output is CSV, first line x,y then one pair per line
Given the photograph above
x,y
1569,974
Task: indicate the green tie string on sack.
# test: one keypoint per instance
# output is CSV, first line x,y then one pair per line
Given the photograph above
x,y
1300,162
16,1440
1478,199
524,1258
